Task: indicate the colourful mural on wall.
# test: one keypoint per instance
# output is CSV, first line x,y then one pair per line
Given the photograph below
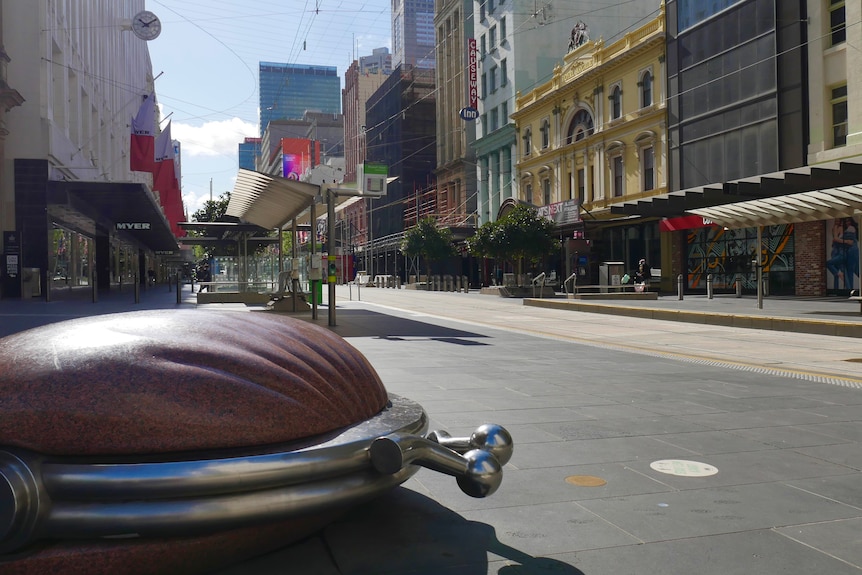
x,y
842,254
727,254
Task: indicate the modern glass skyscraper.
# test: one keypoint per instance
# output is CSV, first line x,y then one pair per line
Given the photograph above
x,y
288,90
413,33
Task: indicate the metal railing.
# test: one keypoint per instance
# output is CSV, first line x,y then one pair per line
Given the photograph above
x,y
540,281
572,278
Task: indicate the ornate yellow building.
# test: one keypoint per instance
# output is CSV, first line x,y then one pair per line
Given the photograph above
x,y
595,135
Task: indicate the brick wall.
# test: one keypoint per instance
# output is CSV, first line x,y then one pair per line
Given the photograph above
x,y
810,275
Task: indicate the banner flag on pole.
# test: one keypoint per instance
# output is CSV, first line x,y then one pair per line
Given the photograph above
x,y
141,147
165,180
164,175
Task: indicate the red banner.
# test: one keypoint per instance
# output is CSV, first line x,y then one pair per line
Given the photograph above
x,y
472,67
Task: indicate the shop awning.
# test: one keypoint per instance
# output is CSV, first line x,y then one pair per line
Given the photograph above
x,y
269,201
802,207
127,208
822,177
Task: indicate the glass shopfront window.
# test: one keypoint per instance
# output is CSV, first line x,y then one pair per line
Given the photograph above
x,y
727,255
69,259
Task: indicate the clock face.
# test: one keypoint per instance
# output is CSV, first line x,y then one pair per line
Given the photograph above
x,y
146,25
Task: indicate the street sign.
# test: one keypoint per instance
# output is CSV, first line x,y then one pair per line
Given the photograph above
x,y
374,178
469,113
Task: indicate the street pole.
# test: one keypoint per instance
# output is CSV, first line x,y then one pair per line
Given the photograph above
x,y
330,249
759,260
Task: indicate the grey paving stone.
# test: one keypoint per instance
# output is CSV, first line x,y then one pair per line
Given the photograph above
x,y
575,429
839,539
749,467
670,406
788,436
851,430
585,452
754,418
710,442
538,486
846,454
716,510
748,553
842,488
550,529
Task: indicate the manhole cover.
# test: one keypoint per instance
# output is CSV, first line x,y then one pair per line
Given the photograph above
x,y
683,468
585,480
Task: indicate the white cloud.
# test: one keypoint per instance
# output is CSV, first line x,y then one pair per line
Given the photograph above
x,y
219,138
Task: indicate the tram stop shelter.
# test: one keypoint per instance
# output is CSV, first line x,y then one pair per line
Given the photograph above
x,y
259,204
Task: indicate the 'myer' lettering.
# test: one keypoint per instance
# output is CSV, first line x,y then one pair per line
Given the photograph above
x,y
133,226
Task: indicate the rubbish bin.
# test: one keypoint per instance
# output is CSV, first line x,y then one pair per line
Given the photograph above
x,y
317,292
31,282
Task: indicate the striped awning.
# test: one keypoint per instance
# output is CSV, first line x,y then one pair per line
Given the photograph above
x,y
815,205
269,201
832,178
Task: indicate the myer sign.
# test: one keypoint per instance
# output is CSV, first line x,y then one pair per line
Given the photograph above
x,y
122,226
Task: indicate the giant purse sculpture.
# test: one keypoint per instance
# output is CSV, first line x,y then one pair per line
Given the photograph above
x,y
179,441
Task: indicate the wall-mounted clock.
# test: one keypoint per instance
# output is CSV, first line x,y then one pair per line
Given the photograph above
x,y
146,25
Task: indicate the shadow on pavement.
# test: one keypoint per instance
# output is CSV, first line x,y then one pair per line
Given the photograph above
x,y
364,323
405,533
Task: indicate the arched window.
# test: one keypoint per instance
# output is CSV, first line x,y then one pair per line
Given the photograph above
x,y
616,99
580,127
646,89
546,134
615,154
528,141
645,143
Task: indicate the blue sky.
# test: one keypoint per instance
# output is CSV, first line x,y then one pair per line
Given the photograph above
x,y
206,60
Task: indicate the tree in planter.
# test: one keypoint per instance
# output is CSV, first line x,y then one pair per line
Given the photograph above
x,y
522,234
488,242
428,241
530,235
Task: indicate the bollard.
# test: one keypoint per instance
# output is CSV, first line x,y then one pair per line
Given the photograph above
x,y
738,288
679,286
708,286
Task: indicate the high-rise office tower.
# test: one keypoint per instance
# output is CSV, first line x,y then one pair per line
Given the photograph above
x,y
380,61
287,91
413,33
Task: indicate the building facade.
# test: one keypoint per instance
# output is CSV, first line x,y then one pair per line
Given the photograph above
x,y
763,146
379,61
287,91
359,85
455,198
520,42
68,198
325,130
594,136
248,153
413,34
400,134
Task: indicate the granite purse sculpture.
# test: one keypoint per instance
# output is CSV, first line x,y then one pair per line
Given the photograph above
x,y
178,441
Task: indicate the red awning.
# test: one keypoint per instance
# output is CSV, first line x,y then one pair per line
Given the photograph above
x,y
683,223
